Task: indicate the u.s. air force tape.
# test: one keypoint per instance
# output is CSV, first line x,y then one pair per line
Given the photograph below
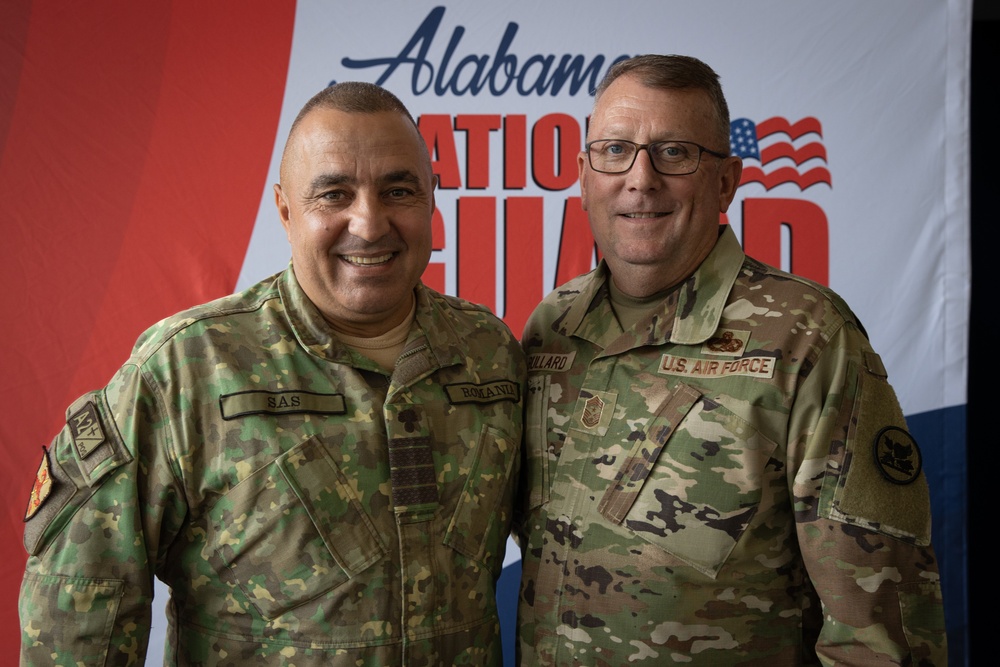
x,y
488,392
717,368
261,402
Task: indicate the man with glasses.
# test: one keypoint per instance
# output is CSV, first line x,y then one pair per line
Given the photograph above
x,y
716,468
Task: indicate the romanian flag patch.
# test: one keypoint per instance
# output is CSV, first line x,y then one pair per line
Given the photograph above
x,y
42,487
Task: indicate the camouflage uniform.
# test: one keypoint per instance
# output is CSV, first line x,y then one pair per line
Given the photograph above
x,y
702,488
304,507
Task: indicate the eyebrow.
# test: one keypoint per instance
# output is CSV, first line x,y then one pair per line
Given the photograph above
x,y
617,135
326,180
400,176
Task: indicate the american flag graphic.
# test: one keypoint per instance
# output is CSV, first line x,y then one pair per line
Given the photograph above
x,y
773,153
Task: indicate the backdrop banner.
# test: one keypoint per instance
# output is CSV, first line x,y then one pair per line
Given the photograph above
x,y
140,143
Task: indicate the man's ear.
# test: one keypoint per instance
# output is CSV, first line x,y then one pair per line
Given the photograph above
x,y
581,165
730,172
283,213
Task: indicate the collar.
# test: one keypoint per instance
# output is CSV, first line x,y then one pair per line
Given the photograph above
x,y
690,318
431,343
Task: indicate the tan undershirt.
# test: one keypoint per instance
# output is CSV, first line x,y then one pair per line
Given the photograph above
x,y
630,309
384,350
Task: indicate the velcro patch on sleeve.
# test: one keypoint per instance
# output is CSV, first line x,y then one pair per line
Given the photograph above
x,y
881,485
261,402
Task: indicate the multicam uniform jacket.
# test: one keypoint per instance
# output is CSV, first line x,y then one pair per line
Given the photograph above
x,y
304,507
730,482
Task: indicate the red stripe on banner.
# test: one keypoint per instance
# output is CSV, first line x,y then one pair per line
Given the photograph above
x,y
13,33
524,238
798,155
794,131
785,175
477,264
577,248
139,141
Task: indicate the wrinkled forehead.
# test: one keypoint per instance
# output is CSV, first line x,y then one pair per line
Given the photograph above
x,y
330,136
629,108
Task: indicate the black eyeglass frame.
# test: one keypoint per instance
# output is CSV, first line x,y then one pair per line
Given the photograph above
x,y
646,147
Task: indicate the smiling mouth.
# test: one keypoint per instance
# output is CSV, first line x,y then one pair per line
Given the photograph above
x,y
367,261
643,216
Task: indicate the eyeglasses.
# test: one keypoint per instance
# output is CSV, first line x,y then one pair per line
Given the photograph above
x,y
670,158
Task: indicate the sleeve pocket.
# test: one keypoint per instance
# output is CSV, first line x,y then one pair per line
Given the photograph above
x,y
66,620
923,623
293,530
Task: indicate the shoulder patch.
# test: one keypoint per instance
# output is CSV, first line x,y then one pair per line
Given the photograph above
x,y
93,438
897,455
42,487
85,429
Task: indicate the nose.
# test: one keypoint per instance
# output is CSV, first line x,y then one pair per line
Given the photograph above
x,y
642,176
369,218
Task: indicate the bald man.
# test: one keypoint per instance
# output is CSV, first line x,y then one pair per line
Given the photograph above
x,y
320,468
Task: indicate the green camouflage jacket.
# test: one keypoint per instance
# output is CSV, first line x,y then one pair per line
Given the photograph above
x,y
730,482
304,507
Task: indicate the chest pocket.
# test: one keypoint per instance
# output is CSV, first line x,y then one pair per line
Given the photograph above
x,y
292,531
479,527
692,480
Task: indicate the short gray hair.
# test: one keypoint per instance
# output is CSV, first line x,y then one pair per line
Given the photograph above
x,y
673,72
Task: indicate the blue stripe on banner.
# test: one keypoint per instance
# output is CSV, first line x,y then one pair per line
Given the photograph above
x,y
507,589
941,436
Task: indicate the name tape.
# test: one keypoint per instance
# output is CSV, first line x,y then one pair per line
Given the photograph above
x,y
490,392
280,402
545,361
715,368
